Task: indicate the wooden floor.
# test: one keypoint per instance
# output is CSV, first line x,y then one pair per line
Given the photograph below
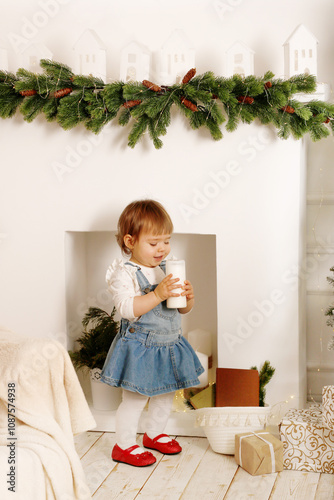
x,y
196,473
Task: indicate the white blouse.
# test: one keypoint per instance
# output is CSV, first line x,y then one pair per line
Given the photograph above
x,y
123,285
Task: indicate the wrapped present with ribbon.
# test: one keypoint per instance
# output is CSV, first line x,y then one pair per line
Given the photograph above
x,y
308,444
259,452
328,406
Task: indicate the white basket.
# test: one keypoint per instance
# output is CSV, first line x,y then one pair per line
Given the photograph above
x,y
221,424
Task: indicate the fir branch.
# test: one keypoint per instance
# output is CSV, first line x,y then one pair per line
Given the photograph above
x,y
124,117
154,134
100,329
99,115
32,81
113,97
214,129
72,110
32,106
56,71
89,82
9,99
50,109
138,130
265,375
302,84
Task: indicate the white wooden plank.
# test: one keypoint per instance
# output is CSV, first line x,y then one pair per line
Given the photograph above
x,y
97,462
197,472
246,486
212,477
295,485
174,471
325,489
84,441
126,481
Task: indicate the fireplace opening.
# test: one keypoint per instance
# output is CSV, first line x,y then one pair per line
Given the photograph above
x,y
88,255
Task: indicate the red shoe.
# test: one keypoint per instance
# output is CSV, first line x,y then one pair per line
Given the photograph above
x,y
170,448
126,457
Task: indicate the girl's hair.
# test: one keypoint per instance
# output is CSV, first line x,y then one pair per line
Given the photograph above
x,y
142,215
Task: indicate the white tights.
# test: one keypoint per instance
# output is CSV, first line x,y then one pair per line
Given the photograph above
x,y
129,413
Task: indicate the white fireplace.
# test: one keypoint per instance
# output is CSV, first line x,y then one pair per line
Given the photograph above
x,y
238,212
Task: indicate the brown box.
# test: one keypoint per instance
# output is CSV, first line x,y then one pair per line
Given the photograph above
x,y
259,452
237,387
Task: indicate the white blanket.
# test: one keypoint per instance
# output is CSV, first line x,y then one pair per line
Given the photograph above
x,y
39,386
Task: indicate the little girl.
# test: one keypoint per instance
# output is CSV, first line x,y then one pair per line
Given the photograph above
x,y
149,358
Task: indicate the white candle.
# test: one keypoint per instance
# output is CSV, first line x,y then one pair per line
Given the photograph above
x,y
200,340
178,269
204,377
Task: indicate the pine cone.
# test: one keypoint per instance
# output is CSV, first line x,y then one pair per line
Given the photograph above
x,y
151,86
189,75
268,85
188,104
28,93
62,92
288,109
242,99
131,104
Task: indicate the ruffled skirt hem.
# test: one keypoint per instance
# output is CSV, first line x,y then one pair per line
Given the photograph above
x,y
152,369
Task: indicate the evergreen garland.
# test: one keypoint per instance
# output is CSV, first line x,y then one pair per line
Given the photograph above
x,y
204,100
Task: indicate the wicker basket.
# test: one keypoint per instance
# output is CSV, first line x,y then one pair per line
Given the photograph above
x,y
221,424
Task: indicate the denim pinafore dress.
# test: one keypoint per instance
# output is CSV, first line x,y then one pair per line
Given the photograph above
x,y
150,355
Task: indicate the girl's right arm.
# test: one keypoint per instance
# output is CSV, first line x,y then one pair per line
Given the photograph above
x,y
145,303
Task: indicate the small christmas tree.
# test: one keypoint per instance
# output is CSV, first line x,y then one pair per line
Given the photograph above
x,y
265,374
330,313
100,329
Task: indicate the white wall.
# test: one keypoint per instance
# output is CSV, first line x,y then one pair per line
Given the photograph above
x,y
256,216
319,260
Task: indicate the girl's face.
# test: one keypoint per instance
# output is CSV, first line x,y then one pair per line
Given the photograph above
x,y
148,249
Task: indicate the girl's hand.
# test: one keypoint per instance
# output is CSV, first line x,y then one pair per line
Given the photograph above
x,y
189,293
188,290
166,287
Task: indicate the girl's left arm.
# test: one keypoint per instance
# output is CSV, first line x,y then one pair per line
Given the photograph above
x,y
189,293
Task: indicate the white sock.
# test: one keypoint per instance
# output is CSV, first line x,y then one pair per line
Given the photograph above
x,y
127,418
164,439
137,451
159,409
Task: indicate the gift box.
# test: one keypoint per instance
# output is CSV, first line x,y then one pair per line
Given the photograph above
x,y
308,445
259,452
328,406
204,398
237,387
